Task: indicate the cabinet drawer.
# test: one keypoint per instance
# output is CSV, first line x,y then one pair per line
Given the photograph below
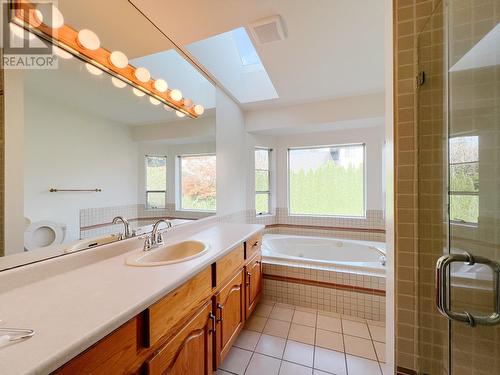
x,y
165,315
227,266
253,245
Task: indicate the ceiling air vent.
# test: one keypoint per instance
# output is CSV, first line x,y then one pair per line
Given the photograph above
x,y
268,30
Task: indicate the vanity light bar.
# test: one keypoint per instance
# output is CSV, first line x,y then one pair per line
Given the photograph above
x,y
87,46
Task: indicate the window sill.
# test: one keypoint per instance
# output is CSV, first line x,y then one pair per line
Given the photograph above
x,y
328,216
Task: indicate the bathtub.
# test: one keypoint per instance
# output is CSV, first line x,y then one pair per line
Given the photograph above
x,y
341,254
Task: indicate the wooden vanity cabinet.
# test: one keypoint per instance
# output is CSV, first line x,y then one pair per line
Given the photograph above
x,y
230,315
190,351
253,283
190,330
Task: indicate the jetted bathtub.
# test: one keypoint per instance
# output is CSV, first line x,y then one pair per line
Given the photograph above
x,y
357,256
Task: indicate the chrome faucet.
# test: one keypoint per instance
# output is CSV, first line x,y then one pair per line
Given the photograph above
x,y
383,254
156,238
126,224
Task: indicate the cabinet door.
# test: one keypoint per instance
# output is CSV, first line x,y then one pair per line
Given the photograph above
x,y
230,304
253,283
190,351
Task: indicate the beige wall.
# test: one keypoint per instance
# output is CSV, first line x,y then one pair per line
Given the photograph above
x,y
410,17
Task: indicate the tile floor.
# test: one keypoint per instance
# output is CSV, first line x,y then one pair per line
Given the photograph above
x,y
291,340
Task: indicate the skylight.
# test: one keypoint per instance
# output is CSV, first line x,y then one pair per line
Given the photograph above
x,y
232,59
248,54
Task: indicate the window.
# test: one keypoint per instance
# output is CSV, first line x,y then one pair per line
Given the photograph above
x,y
327,180
198,182
464,179
262,181
156,181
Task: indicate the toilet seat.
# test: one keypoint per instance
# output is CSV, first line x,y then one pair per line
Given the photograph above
x,y
42,234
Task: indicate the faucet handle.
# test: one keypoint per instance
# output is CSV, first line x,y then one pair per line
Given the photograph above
x,y
148,243
159,239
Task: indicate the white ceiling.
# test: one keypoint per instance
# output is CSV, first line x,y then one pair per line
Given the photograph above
x,y
334,48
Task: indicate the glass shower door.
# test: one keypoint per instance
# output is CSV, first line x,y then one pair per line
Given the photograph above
x,y
458,116
473,70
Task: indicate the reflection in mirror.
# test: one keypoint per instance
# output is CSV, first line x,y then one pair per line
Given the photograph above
x,y
101,160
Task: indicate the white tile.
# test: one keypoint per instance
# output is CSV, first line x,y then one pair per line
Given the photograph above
x,y
329,361
236,361
378,333
262,364
353,318
319,372
300,353
306,309
329,323
380,350
277,328
256,323
362,366
302,333
329,340
263,310
280,313
247,340
353,328
359,347
271,345
305,318
288,368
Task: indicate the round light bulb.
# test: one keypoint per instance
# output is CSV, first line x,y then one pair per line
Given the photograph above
x,y
161,85
49,15
142,74
38,17
188,103
88,40
118,59
138,92
199,109
118,83
94,70
62,53
176,95
19,32
167,108
180,114
154,101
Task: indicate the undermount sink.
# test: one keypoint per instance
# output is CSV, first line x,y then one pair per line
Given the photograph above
x,y
175,253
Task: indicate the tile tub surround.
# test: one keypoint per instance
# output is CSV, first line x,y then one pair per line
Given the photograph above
x,y
292,340
89,294
369,228
357,294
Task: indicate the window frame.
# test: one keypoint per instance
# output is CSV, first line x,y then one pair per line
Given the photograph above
x,y
363,144
459,192
148,207
179,181
263,192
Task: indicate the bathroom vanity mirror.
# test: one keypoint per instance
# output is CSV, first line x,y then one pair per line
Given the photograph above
x,y
95,148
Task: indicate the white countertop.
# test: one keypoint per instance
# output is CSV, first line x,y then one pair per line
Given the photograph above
x,y
72,309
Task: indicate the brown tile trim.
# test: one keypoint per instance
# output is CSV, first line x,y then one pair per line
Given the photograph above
x,y
405,371
323,227
96,226
325,284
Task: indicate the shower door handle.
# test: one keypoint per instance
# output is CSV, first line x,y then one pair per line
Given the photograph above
x,y
442,289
